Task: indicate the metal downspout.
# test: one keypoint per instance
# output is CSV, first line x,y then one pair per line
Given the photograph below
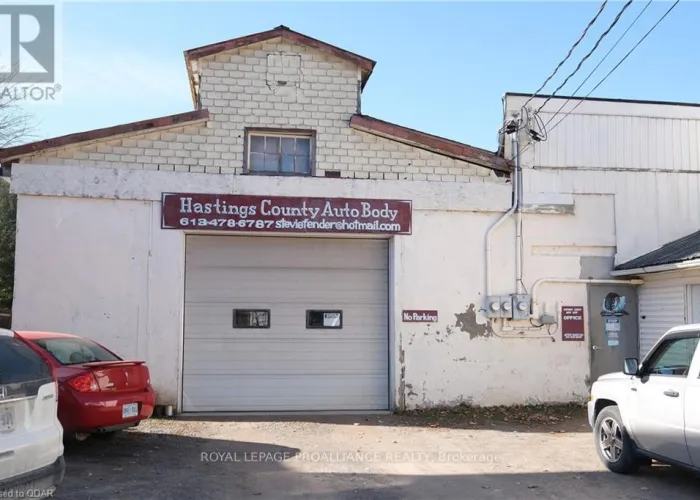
x,y
489,232
518,218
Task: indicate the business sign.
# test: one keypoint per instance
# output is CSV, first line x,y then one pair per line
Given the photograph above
x,y
572,324
419,316
612,331
227,212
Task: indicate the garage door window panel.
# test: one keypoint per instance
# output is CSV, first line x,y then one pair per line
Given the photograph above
x,y
251,318
324,319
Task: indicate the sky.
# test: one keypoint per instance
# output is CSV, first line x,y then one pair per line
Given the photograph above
x,y
441,67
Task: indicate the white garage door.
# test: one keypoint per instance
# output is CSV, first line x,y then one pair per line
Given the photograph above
x,y
326,345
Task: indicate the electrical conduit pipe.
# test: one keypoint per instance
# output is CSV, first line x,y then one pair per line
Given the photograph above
x,y
540,281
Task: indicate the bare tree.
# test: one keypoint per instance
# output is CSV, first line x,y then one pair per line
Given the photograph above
x,y
15,127
8,227
16,123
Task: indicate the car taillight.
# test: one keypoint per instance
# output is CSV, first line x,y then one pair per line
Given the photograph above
x,y
84,383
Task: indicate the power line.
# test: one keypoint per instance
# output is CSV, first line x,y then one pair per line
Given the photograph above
x,y
600,39
614,68
571,50
599,62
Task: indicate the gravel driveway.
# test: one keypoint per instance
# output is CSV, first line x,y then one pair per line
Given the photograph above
x,y
375,457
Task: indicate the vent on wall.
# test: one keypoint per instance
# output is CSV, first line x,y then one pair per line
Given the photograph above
x,y
335,174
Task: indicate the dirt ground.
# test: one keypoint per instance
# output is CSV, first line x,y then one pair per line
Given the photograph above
x,y
436,455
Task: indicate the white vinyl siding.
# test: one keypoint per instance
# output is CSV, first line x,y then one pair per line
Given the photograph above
x,y
622,142
286,367
646,155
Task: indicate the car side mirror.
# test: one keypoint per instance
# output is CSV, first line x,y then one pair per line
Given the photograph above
x,y
631,366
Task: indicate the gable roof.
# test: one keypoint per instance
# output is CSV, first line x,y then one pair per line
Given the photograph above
x,y
364,123
678,251
366,65
429,142
368,124
107,133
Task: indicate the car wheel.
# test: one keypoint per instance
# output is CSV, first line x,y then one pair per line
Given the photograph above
x,y
614,446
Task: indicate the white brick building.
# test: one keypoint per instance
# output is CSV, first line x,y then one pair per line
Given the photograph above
x,y
259,252
272,82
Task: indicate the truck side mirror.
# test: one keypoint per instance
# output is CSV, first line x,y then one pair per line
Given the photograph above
x,y
631,366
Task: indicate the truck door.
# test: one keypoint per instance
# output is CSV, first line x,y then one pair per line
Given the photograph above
x,y
692,410
657,398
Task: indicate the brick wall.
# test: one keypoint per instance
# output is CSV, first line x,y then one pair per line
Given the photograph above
x,y
276,85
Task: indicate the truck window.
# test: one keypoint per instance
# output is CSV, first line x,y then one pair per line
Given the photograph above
x,y
673,357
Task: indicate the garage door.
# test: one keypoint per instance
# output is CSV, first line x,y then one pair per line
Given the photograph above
x,y
285,324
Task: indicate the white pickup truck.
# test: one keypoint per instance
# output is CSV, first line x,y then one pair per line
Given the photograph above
x,y
651,410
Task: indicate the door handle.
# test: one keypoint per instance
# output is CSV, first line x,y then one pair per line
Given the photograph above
x,y
595,348
671,394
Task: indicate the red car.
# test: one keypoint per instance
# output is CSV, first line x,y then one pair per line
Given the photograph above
x,y
98,392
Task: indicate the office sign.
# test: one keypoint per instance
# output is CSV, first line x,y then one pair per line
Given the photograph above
x,y
572,324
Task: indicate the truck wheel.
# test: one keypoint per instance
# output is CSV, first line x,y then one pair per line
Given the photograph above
x,y
614,446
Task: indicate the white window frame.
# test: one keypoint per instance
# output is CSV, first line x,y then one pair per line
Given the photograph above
x,y
291,133
690,311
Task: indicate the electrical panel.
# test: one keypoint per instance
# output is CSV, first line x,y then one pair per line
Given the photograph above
x,y
508,306
499,306
521,306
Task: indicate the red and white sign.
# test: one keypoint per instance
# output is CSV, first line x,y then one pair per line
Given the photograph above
x,y
572,324
419,316
227,212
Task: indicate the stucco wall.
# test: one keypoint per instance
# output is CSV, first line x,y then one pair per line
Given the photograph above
x,y
104,270
92,246
243,88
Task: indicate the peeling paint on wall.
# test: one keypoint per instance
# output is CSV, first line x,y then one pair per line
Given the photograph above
x,y
411,392
549,208
466,322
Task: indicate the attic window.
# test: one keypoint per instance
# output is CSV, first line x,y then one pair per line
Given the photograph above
x,y
279,152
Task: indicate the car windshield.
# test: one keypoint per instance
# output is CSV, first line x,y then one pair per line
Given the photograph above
x,y
75,351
